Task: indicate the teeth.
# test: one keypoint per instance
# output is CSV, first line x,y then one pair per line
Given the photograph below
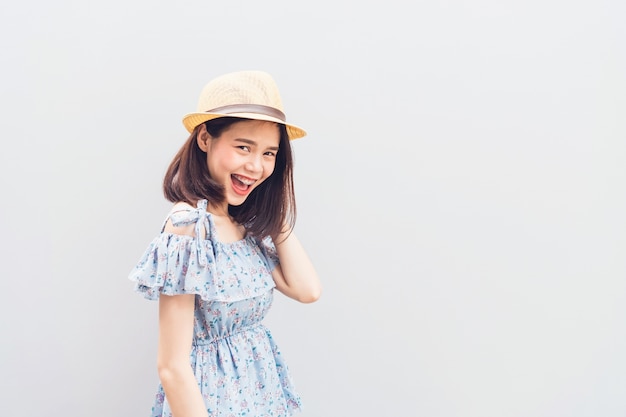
x,y
244,180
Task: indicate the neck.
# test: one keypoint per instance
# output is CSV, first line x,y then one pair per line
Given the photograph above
x,y
218,210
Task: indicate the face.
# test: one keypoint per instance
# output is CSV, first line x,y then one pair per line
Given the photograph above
x,y
242,157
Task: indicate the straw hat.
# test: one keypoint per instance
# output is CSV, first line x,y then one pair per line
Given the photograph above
x,y
245,94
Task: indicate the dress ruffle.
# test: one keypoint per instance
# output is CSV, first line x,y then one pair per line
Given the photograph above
x,y
180,264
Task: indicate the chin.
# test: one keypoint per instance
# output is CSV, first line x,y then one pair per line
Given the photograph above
x,y
236,201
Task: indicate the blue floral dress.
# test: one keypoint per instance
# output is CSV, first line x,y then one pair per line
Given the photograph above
x,y
238,366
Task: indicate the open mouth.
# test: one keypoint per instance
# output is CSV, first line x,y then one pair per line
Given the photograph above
x,y
241,184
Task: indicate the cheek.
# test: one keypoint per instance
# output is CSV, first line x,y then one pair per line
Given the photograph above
x,y
268,168
218,163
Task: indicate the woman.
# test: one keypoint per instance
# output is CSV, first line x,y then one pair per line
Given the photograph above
x,y
223,248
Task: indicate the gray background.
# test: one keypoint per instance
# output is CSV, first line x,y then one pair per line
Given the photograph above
x,y
461,192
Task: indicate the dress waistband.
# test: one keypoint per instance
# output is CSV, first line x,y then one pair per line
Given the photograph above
x,y
208,341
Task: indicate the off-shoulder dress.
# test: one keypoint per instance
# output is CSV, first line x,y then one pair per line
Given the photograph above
x,y
238,366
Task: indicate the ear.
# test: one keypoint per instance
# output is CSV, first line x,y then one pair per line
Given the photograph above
x,y
203,138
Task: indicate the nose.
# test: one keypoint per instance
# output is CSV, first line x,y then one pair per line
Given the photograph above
x,y
254,164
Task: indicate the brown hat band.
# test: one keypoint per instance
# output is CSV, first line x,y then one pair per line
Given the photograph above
x,y
250,108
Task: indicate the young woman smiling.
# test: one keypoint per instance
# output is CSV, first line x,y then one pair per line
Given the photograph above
x,y
225,245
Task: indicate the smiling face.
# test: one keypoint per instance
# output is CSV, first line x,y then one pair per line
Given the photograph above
x,y
241,157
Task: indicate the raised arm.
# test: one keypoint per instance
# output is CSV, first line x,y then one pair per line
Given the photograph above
x,y
295,276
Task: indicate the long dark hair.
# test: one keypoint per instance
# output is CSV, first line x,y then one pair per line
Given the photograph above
x,y
267,210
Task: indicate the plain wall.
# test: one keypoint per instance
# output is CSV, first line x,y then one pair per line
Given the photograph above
x,y
461,192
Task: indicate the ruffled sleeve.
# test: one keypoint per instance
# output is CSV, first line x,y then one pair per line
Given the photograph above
x,y
173,265
180,264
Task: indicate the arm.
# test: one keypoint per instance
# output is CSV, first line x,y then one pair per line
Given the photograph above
x,y
176,320
175,373
295,276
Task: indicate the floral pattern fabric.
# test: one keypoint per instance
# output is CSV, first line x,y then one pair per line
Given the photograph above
x,y
238,366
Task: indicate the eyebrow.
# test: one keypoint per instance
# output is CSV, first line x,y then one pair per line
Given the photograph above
x,y
253,143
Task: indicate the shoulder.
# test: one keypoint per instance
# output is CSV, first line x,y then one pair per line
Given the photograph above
x,y
181,206
173,223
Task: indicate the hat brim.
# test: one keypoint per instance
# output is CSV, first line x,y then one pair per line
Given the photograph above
x,y
191,120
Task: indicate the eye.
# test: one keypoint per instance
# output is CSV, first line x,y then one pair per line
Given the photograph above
x,y
270,153
244,148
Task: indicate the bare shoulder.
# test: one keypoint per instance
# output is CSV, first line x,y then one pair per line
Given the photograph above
x,y
181,205
187,229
